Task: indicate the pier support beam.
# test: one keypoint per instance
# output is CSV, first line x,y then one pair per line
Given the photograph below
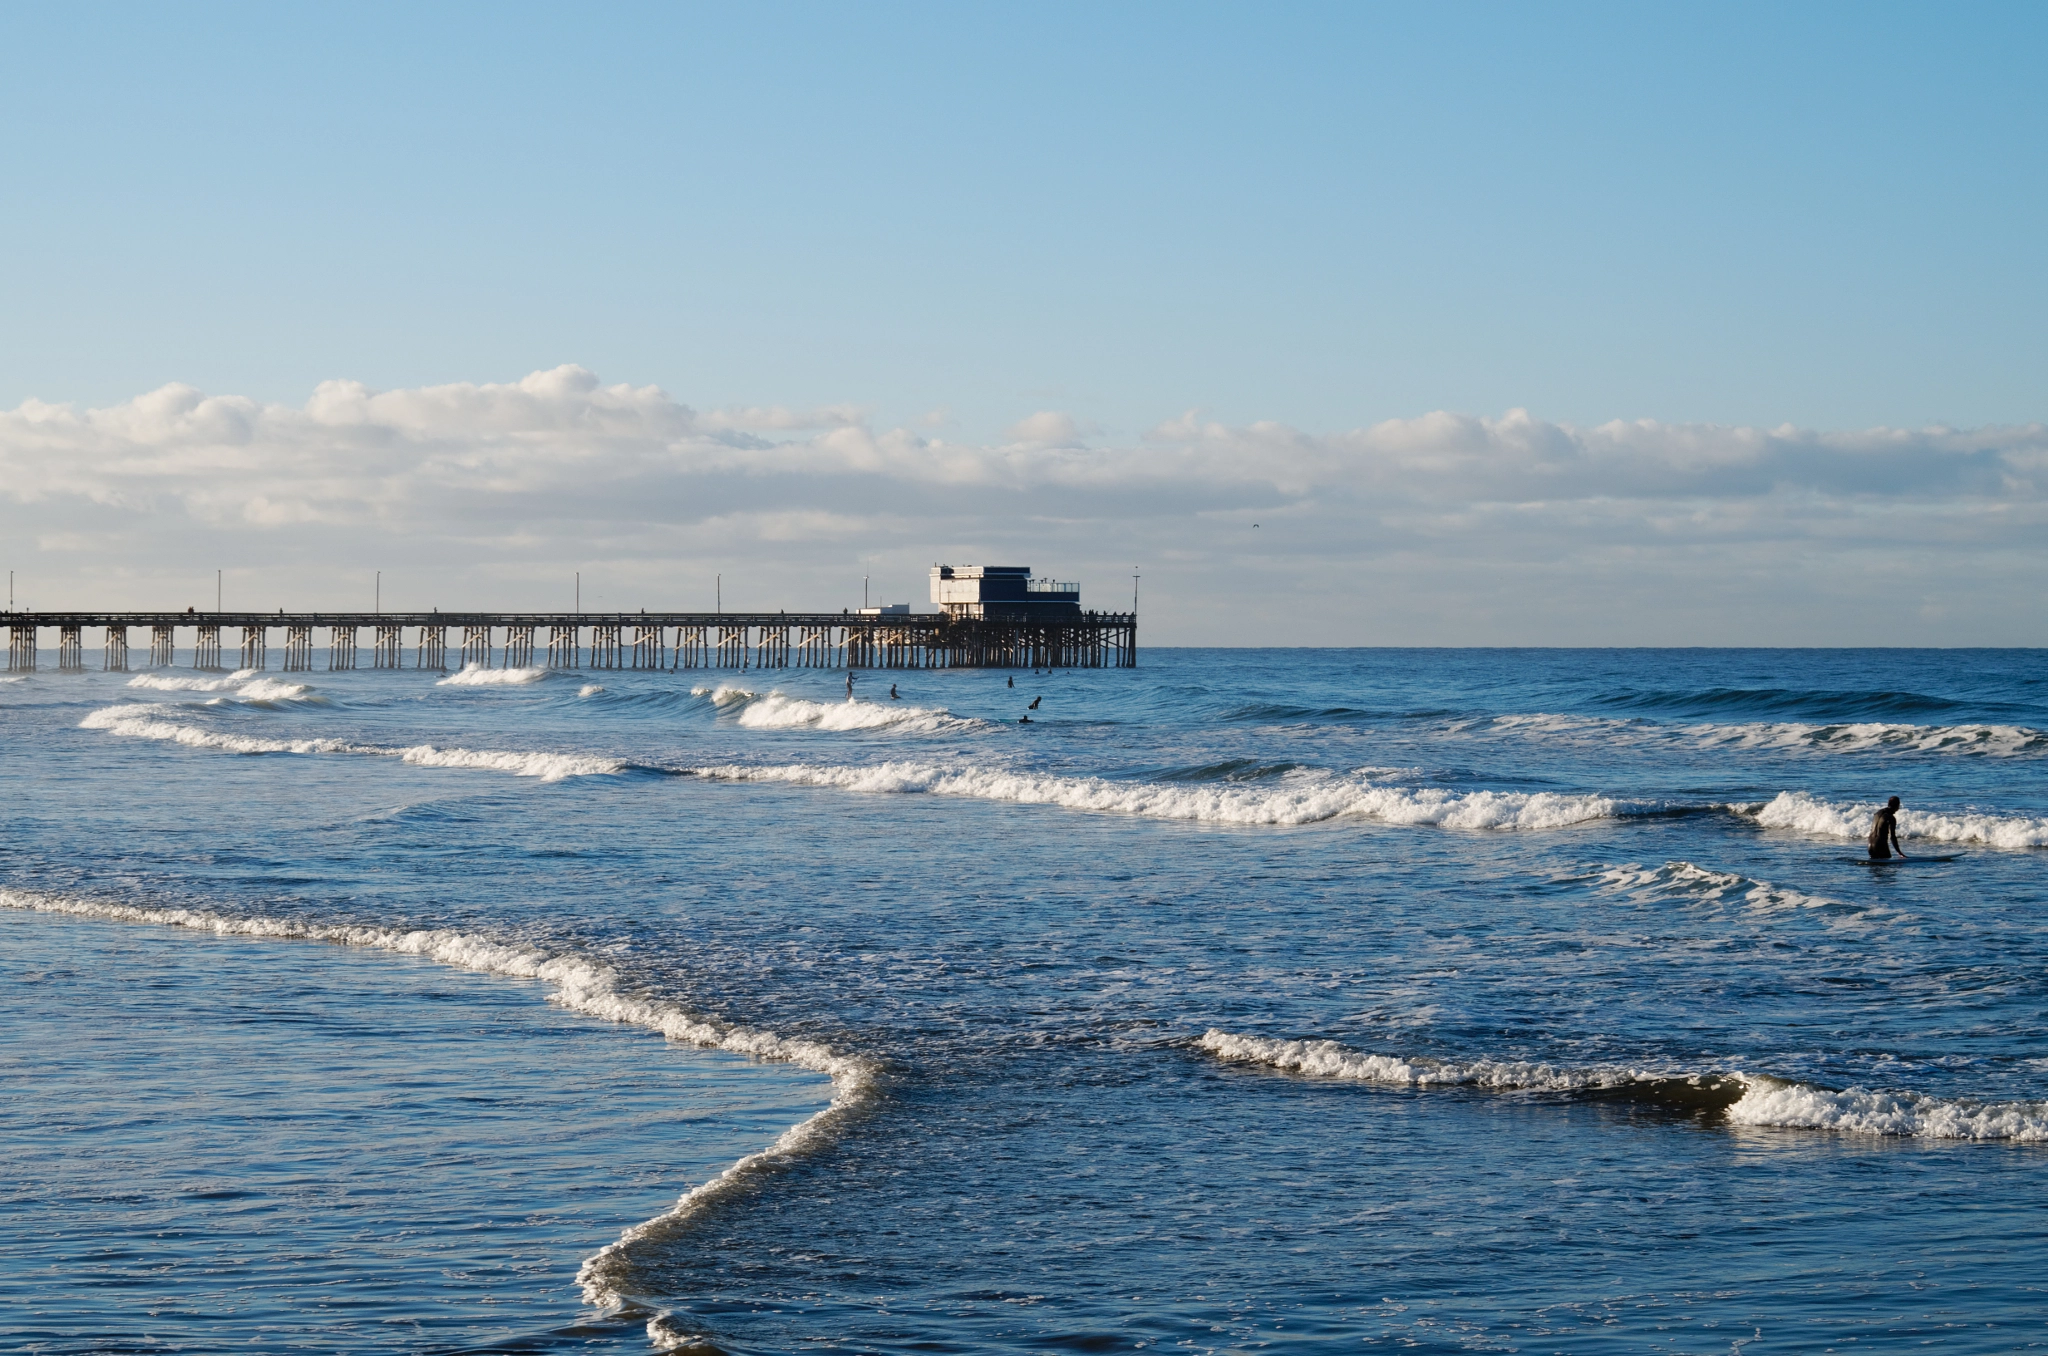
x,y
163,645
341,649
433,651
298,647
387,653
254,640
206,647
116,660
519,647
21,648
607,650
476,646
71,649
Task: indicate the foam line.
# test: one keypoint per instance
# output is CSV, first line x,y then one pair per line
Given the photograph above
x,y
476,675
778,711
1301,797
1996,741
143,721
1808,814
1744,1099
607,1276
1686,880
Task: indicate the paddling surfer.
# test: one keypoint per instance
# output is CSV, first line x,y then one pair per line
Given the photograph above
x,y
1884,833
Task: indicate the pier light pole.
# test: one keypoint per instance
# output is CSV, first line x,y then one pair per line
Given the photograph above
x,y
378,604
216,590
579,591
1134,588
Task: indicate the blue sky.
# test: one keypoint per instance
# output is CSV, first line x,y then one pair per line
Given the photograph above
x,y
947,219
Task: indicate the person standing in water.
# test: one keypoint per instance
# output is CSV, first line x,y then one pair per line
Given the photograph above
x,y
1884,832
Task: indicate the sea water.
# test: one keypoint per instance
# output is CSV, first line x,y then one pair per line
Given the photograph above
x,y
1443,1000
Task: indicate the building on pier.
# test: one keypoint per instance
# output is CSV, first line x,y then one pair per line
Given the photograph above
x,y
1005,592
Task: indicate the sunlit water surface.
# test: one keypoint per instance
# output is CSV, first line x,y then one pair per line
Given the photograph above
x,y
1452,1000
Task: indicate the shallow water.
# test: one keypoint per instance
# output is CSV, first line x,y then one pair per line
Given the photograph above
x,y
1478,999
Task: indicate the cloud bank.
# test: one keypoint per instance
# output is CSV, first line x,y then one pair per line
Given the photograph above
x,y
1443,528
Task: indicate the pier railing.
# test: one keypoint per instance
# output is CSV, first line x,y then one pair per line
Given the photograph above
x,y
580,640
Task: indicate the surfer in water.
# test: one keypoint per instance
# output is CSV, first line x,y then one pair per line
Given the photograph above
x,y
1884,833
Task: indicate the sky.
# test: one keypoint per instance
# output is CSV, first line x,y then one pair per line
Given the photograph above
x,y
1352,324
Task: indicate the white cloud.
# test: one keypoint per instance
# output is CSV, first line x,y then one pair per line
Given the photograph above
x,y
1443,527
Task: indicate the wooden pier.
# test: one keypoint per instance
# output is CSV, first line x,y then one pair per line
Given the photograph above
x,y
582,640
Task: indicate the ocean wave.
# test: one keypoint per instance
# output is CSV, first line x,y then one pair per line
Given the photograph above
x,y
1328,1059
724,694
1742,1098
549,767
590,690
477,675
1825,704
1803,813
1293,798
609,1277
171,682
1802,1106
1684,880
247,685
149,721
778,711
1984,740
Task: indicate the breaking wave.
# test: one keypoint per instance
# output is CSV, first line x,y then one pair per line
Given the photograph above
x,y
1298,797
1984,740
477,675
778,711
1807,814
1684,880
246,685
143,721
171,682
1743,1099
609,1276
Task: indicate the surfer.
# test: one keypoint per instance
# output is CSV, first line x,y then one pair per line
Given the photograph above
x,y
892,693
849,687
1884,833
1034,702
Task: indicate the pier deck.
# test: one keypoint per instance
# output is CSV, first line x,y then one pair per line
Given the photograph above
x,y
581,640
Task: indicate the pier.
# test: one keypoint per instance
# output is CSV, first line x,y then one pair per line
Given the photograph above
x,y
438,641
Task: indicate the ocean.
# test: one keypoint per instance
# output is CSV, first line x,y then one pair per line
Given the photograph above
x,y
1249,1000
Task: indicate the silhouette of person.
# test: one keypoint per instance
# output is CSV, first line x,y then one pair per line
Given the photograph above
x,y
1034,703
849,687
892,693
1013,680
1884,832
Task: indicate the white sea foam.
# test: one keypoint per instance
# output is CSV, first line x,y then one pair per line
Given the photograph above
x,y
1328,1059
1998,741
1300,797
549,767
1764,1101
1684,880
724,694
589,690
777,711
1803,813
148,721
2004,741
246,685
171,682
608,1277
476,675
1773,1102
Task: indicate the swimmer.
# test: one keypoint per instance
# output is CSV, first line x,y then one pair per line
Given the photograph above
x,y
1023,720
1884,833
1013,681
892,693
